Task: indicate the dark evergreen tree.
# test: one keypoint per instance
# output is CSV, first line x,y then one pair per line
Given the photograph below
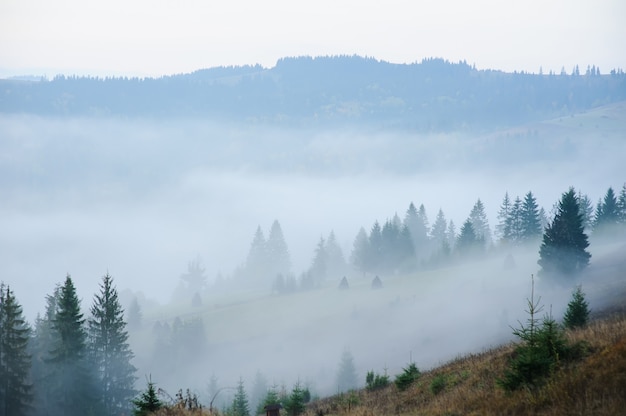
x,y
563,250
468,243
346,375
295,404
271,399
531,222
240,401
71,371
542,349
513,225
360,251
544,219
607,213
148,402
577,313
110,351
16,393
43,341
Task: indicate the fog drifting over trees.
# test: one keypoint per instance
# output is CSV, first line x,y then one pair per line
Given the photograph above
x,y
196,219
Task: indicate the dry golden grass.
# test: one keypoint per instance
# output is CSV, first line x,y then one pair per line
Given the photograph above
x,y
595,385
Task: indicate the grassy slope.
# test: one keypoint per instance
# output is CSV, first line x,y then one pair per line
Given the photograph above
x,y
595,385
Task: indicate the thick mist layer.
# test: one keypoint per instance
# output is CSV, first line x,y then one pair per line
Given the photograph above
x,y
141,199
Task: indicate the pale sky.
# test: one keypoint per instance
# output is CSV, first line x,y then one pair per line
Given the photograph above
x,y
159,37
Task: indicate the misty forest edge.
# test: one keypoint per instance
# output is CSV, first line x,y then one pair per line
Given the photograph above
x,y
66,347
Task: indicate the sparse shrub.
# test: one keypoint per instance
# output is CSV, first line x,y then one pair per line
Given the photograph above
x,y
438,384
375,381
577,313
187,401
407,377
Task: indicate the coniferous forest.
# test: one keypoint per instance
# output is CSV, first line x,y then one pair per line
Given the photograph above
x,y
330,236
69,361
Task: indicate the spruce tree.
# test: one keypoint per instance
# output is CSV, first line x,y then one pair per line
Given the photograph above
x,y
577,313
563,250
240,401
110,350
478,217
278,256
531,222
148,402
513,224
607,213
295,404
71,371
44,339
15,363
439,229
271,399
468,243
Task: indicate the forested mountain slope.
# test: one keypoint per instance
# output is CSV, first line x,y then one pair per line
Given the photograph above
x,y
433,95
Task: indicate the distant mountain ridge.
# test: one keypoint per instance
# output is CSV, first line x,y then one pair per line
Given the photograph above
x,y
433,95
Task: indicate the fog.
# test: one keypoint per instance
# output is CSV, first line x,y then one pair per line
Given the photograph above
x,y
142,198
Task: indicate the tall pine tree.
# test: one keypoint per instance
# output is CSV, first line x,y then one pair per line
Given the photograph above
x,y
110,352
478,217
607,212
45,338
15,363
563,250
72,373
468,243
240,401
531,222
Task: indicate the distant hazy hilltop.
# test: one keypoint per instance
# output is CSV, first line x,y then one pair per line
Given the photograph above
x,y
433,95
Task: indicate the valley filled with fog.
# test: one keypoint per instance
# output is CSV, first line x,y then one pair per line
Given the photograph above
x,y
142,198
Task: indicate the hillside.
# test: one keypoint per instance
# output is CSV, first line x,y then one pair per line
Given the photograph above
x,y
467,385
430,96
